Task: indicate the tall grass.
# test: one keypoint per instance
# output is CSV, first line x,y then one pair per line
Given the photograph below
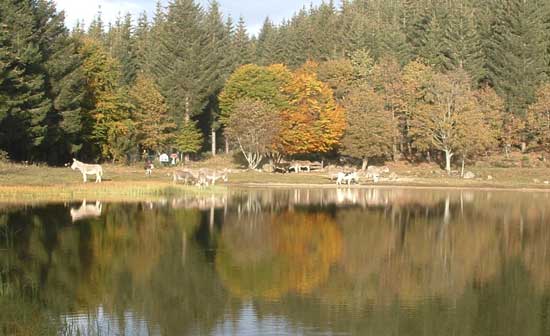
x,y
108,191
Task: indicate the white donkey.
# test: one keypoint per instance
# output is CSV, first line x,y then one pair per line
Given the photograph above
x,y
88,169
347,178
210,176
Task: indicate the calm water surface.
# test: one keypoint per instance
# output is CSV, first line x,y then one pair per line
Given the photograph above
x,y
280,262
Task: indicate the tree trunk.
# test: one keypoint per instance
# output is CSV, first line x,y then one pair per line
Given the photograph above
x,y
365,164
462,170
506,151
523,147
213,142
448,157
226,145
396,155
187,117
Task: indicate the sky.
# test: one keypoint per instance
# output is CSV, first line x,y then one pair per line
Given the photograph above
x,y
253,11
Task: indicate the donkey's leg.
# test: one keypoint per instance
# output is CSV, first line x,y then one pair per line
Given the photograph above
x,y
84,177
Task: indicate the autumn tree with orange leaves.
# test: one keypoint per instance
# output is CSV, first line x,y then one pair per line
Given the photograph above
x,y
313,121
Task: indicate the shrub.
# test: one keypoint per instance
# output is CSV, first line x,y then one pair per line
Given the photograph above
x,y
4,156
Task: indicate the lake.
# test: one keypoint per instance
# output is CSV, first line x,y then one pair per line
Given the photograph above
x,y
280,262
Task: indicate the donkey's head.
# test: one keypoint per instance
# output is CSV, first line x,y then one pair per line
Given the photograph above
x,y
74,165
225,175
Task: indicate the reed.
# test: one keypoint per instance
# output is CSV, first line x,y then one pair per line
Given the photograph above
x,y
108,191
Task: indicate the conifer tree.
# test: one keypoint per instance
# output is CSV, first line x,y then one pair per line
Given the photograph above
x,y
242,47
433,49
266,45
219,63
179,64
96,30
121,45
41,84
188,138
518,58
24,101
463,43
143,44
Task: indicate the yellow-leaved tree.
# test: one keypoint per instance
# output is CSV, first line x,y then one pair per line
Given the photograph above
x,y
370,127
538,118
312,122
151,115
448,118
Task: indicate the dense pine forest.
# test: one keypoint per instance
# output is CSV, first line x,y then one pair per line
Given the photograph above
x,y
446,80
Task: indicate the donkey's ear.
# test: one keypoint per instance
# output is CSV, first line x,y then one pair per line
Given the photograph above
x,y
74,159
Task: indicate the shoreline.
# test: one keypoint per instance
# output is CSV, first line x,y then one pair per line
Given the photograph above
x,y
392,186
151,191
28,184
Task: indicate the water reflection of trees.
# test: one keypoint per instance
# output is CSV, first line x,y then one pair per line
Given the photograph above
x,y
279,254
132,259
353,261
420,258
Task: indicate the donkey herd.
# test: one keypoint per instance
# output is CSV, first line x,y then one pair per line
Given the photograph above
x,y
204,177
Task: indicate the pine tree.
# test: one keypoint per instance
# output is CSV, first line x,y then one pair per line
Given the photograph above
x,y
179,64
23,80
518,47
219,62
121,45
96,30
188,138
433,49
143,44
65,87
463,43
242,47
266,45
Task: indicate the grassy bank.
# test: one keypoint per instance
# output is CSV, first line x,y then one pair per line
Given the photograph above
x,y
121,183
33,183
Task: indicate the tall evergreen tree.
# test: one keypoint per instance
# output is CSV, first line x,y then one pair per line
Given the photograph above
x,y
518,58
179,66
463,43
143,44
96,30
242,48
41,87
218,62
122,46
266,44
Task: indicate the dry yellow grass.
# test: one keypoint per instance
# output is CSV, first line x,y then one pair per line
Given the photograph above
x,y
34,184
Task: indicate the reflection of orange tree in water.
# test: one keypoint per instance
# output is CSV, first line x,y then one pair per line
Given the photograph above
x,y
278,254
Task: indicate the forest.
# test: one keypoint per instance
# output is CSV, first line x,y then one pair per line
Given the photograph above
x,y
369,80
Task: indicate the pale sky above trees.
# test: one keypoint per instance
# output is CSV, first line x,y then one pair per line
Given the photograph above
x,y
253,11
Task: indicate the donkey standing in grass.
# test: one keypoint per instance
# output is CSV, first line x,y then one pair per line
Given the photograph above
x,y
88,169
